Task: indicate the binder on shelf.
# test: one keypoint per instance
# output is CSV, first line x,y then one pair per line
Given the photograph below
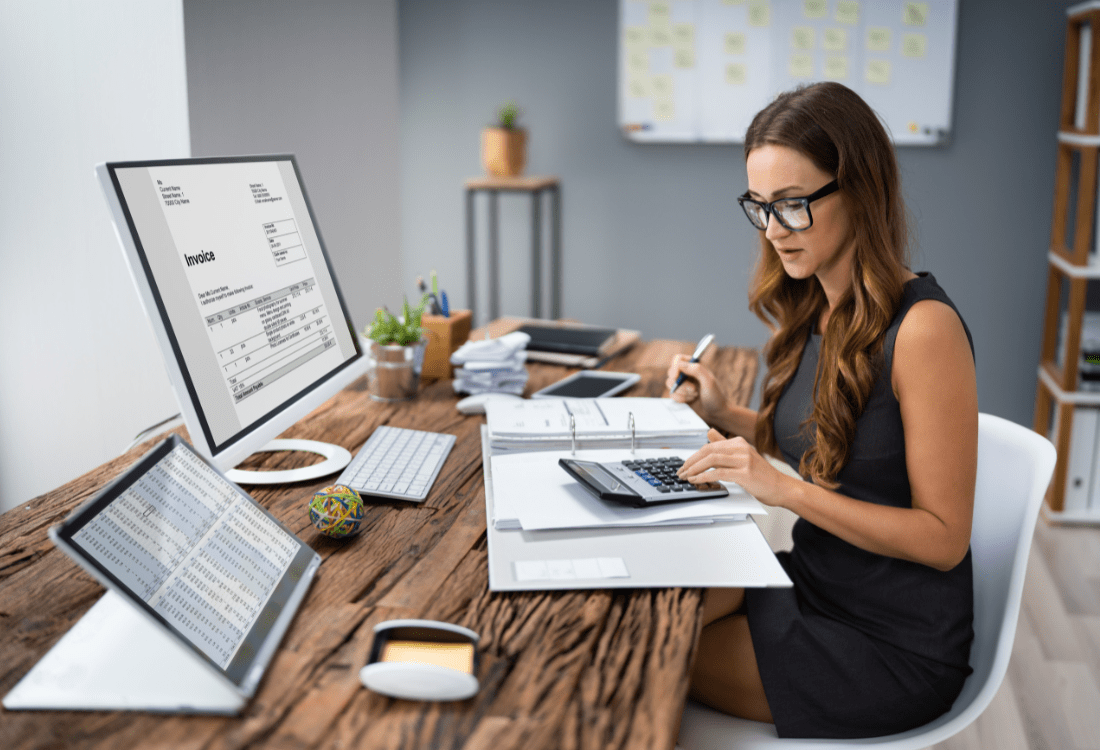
x,y
1088,359
1081,466
1084,57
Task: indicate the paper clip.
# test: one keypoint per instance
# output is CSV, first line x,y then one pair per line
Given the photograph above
x,y
630,424
573,433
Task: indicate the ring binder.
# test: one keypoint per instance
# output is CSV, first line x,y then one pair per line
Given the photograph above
x,y
576,424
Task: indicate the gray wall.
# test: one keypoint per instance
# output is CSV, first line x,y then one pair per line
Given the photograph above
x,y
653,237
318,80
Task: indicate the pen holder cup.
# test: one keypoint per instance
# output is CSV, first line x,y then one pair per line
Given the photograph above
x,y
394,370
445,335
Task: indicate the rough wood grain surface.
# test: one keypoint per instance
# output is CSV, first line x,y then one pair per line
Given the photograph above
x,y
589,669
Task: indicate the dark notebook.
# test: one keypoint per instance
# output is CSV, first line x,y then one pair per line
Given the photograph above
x,y
588,341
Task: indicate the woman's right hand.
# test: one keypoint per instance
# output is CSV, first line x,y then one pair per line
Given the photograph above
x,y
700,389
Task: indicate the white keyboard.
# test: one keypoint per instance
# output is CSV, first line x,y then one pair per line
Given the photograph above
x,y
397,462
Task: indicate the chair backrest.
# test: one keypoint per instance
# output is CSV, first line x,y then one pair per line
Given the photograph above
x,y
1015,465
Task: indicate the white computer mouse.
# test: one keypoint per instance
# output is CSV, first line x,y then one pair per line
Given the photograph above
x,y
476,404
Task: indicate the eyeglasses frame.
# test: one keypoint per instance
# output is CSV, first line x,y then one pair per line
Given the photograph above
x,y
768,208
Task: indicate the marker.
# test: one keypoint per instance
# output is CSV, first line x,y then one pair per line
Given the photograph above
x,y
694,358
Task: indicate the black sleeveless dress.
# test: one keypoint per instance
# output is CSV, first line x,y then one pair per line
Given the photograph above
x,y
864,645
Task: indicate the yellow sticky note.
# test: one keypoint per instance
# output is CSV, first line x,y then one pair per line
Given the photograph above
x,y
660,36
660,13
638,85
814,8
735,43
683,35
684,57
760,13
664,110
802,37
834,40
661,86
836,68
635,36
637,61
847,11
737,74
914,14
458,656
914,45
878,39
800,66
878,71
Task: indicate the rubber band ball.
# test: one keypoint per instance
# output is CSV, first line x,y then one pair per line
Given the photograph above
x,y
336,511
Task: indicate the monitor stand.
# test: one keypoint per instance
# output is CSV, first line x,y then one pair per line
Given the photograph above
x,y
115,659
336,458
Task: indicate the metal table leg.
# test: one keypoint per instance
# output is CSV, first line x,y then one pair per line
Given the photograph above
x,y
536,253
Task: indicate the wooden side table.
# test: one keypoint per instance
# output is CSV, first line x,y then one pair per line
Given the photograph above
x,y
536,186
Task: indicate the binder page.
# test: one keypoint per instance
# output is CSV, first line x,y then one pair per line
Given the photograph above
x,y
195,549
532,488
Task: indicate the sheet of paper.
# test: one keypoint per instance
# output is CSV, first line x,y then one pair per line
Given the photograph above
x,y
534,489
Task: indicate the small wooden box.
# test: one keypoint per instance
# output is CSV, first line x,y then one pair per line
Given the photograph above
x,y
444,336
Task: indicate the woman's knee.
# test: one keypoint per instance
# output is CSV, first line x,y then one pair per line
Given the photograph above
x,y
719,603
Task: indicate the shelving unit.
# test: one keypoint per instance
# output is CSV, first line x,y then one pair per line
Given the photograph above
x,y
1069,266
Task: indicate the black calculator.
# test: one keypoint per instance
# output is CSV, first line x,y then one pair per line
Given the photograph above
x,y
641,483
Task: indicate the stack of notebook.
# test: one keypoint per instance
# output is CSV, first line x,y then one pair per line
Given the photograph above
x,y
574,344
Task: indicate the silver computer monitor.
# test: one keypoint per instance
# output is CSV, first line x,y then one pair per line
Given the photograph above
x,y
233,274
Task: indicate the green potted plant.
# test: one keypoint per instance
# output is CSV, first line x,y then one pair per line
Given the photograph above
x,y
396,352
504,146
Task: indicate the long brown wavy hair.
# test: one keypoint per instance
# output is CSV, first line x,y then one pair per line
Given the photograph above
x,y
834,128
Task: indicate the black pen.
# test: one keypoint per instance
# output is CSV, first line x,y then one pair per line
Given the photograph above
x,y
694,358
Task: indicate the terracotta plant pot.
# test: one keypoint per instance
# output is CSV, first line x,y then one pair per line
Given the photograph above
x,y
504,151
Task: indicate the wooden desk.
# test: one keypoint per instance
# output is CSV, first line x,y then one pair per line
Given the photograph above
x,y
588,669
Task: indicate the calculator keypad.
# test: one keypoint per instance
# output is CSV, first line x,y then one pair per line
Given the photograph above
x,y
660,474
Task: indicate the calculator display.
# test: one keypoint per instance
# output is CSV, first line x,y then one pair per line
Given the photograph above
x,y
598,475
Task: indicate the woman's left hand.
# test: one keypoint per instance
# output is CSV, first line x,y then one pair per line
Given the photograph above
x,y
734,460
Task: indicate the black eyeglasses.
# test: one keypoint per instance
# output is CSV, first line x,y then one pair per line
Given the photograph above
x,y
791,213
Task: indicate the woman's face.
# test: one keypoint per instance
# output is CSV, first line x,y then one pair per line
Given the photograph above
x,y
825,249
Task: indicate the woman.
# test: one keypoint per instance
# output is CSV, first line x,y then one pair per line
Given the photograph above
x,y
870,394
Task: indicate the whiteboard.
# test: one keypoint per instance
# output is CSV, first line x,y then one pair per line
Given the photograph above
x,y
699,70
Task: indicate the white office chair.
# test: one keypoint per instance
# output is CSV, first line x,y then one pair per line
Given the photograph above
x,y
1014,468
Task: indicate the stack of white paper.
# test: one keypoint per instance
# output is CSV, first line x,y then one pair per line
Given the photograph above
x,y
544,424
492,365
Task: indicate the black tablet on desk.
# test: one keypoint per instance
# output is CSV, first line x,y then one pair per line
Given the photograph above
x,y
586,340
